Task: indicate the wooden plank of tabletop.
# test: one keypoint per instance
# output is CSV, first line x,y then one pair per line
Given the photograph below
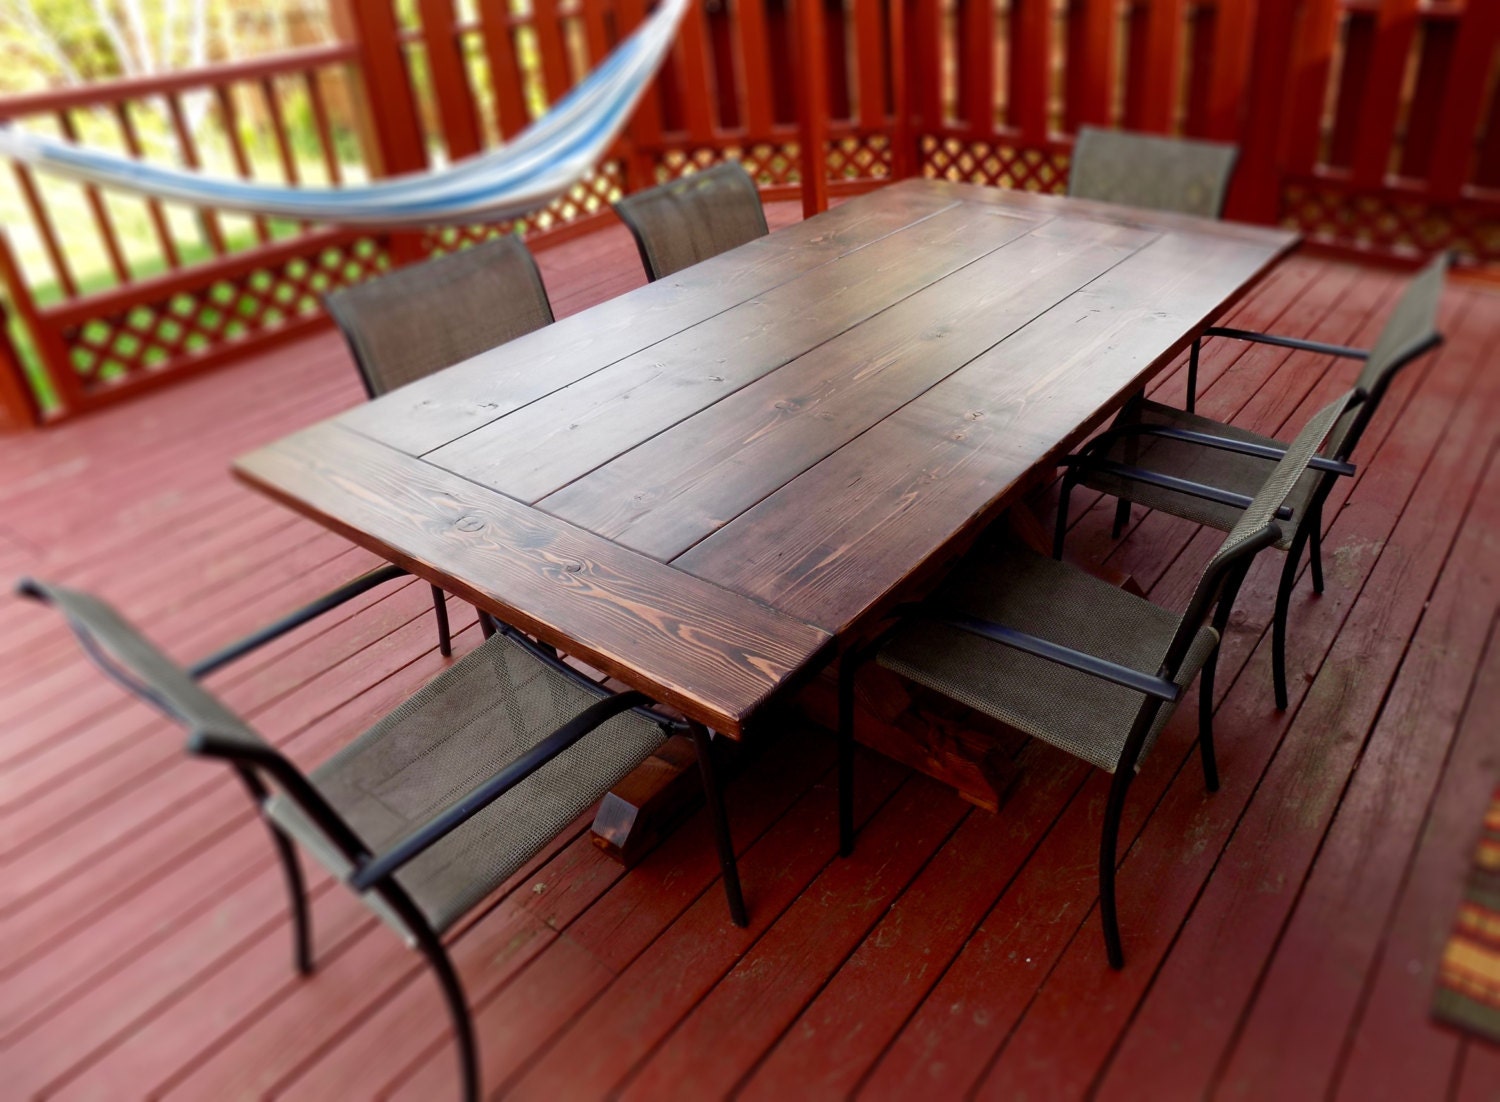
x,y
1139,217
561,437
675,489
836,541
715,655
440,408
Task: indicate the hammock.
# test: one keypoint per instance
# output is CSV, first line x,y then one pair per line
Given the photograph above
x,y
549,157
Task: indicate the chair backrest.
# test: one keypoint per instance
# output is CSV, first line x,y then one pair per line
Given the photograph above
x,y
689,220
420,319
1410,331
1257,527
131,661
1148,170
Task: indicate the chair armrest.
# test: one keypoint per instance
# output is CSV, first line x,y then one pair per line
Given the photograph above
x,y
1229,444
369,873
311,611
1170,482
1081,661
1288,342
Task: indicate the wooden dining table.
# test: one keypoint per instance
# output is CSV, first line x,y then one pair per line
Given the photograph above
x,y
704,487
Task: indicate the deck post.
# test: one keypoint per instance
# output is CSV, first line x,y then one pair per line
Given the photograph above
x,y
812,105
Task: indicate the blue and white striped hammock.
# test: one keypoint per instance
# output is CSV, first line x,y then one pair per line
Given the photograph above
x,y
543,162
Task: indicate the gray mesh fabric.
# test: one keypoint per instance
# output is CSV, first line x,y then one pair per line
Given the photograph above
x,y
464,727
1411,327
1146,170
166,685
689,220
1283,479
420,319
1088,717
1243,474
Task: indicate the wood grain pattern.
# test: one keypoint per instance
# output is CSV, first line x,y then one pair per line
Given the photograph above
x,y
716,656
668,494
558,438
844,535
801,426
436,410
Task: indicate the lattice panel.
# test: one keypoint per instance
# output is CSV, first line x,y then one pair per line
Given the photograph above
x,y
595,192
773,164
1382,223
971,161
159,334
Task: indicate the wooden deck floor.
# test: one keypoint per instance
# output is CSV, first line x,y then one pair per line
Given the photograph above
x,y
1281,934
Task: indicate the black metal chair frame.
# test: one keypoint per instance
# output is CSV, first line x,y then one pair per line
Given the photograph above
x,y
1216,592
1308,532
375,872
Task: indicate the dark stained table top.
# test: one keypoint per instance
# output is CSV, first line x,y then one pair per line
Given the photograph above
x,y
698,485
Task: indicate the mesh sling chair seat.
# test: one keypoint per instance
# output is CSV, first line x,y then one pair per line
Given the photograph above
x,y
1066,658
681,223
414,321
436,805
1204,470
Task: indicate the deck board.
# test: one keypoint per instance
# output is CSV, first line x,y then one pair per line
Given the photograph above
x,y
1289,951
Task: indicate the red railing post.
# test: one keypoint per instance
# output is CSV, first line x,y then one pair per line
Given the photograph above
x,y
18,407
812,95
1255,195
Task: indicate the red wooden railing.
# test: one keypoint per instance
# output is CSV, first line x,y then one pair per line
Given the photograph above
x,y
1373,125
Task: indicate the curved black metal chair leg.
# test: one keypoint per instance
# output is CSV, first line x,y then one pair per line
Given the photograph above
x,y
296,890
1119,784
1122,518
714,796
440,607
1278,622
1206,722
1192,379
1060,533
846,755
458,1007
1315,550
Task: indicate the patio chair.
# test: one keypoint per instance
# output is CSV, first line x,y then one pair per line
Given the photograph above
x,y
1203,470
689,220
1151,171
417,320
437,804
1069,659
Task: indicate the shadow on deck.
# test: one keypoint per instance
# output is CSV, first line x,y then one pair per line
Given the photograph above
x,y
1288,948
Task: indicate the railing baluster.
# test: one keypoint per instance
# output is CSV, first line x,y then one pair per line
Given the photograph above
x,y
208,218
102,219
153,206
325,130
230,118
756,63
1030,68
1091,69
1309,91
445,63
1458,118
48,232
977,66
1395,29
505,73
870,63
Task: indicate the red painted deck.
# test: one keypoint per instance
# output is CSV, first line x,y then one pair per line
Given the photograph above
x,y
1281,934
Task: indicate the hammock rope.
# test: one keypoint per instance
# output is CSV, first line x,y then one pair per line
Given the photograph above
x,y
543,162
